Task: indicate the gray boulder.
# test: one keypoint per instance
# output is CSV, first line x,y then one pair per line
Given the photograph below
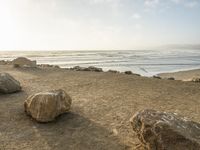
x,y
8,84
165,131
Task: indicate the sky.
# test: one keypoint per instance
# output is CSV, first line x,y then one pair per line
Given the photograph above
x,y
97,24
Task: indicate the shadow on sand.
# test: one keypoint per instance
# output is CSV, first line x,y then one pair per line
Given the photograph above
x,y
70,131
74,132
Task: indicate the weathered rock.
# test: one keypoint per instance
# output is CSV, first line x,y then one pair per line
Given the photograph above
x,y
56,66
113,71
8,84
128,72
171,78
131,73
196,80
23,62
95,69
46,106
166,131
3,62
77,68
157,77
91,68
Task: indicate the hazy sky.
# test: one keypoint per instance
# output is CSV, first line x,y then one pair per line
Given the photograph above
x,y
97,24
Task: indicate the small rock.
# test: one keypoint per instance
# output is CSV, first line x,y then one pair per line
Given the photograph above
x,y
171,78
165,131
8,84
115,132
128,72
113,71
46,106
16,65
157,77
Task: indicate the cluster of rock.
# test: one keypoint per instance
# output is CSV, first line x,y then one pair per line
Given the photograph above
x,y
90,68
96,69
165,131
5,62
47,66
158,77
196,79
44,106
25,62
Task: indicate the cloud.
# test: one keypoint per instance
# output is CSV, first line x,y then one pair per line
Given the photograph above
x,y
177,1
187,3
103,1
151,3
138,26
136,16
191,4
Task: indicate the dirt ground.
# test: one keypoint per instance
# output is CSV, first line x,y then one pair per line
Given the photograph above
x,y
102,105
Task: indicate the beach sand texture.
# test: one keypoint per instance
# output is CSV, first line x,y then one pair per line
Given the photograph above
x,y
102,105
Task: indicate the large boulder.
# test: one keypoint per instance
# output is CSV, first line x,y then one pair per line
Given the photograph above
x,y
8,84
166,131
46,106
23,62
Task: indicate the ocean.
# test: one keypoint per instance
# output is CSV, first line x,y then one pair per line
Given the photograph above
x,y
144,62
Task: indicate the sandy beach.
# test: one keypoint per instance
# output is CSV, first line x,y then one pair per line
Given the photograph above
x,y
182,75
102,105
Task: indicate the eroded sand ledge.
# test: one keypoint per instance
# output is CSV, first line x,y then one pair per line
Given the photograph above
x,y
102,106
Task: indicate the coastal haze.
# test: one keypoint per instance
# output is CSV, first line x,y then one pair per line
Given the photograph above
x,y
98,24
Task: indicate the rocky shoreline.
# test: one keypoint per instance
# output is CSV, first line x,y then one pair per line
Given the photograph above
x,y
103,103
